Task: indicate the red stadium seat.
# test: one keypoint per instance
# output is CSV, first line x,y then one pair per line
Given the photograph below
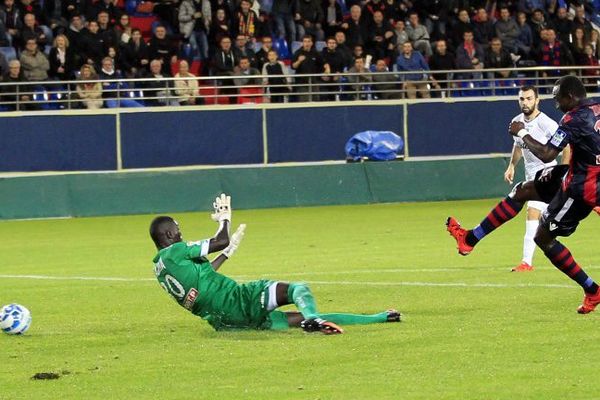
x,y
250,94
144,24
210,94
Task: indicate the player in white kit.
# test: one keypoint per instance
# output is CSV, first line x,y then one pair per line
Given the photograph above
x,y
541,128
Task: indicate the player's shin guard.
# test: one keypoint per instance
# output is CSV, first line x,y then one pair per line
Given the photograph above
x,y
504,211
562,259
302,297
355,319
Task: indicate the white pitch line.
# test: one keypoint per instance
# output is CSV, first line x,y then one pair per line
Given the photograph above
x,y
362,283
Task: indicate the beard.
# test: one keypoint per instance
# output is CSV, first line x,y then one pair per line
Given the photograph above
x,y
527,111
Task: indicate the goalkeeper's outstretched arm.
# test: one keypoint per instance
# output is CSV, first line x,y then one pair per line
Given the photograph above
x,y
221,239
235,241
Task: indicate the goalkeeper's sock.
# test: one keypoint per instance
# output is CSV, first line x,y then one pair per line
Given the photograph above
x,y
355,319
300,294
504,211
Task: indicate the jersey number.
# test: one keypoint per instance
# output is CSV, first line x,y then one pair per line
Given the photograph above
x,y
173,287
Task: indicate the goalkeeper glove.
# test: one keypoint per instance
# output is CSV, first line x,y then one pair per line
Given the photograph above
x,y
222,207
235,241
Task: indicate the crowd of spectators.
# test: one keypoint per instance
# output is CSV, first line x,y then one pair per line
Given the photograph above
x,y
58,40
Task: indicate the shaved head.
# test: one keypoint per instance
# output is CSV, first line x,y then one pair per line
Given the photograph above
x,y
164,231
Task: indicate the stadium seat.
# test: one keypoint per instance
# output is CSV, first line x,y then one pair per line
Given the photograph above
x,y
281,46
257,46
210,95
250,95
9,52
295,46
320,45
144,24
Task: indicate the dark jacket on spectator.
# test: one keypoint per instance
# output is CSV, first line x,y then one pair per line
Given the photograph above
x,y
93,47
464,59
55,63
312,64
161,49
132,56
224,63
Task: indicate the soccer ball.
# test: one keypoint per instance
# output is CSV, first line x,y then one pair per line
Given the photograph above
x,y
14,319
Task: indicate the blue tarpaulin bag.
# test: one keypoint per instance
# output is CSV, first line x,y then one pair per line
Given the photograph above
x,y
375,145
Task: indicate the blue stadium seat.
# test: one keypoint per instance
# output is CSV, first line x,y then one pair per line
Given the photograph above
x,y
320,45
295,46
281,46
9,52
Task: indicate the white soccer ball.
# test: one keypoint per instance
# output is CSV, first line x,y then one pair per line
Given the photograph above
x,y
14,319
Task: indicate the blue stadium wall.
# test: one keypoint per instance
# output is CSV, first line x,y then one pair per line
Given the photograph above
x,y
253,135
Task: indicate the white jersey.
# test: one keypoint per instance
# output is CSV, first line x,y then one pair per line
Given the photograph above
x,y
541,128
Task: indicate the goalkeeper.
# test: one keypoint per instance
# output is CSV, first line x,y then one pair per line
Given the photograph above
x,y
183,270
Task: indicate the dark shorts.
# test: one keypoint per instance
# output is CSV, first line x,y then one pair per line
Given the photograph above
x,y
548,181
564,213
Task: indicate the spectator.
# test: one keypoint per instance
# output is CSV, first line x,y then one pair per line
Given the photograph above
x,y
470,55
93,44
246,22
497,57
11,17
563,25
76,7
400,35
161,48
416,79
581,21
530,6
278,78
123,29
4,37
538,23
219,28
262,56
418,35
75,34
507,30
384,85
436,16
105,5
12,88
284,13
380,44
462,24
595,42
591,76
441,60
343,49
334,63
369,9
34,63
525,40
306,60
114,90
186,89
311,19
243,50
159,91
32,31
193,25
244,73
355,29
3,66
62,59
483,28
90,93
135,58
54,15
577,46
225,59
360,82
553,53
333,17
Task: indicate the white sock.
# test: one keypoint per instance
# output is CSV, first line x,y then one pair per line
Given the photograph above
x,y
528,243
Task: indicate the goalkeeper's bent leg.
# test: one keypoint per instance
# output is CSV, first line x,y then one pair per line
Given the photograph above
x,y
302,297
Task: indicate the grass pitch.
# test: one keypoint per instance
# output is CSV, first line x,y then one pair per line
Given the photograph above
x,y
471,330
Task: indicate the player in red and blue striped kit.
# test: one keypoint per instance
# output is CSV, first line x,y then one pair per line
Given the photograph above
x,y
572,192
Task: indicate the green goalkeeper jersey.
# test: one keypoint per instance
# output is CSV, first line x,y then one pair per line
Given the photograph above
x,y
184,272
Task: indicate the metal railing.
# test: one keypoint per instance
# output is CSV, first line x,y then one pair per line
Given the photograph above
x,y
219,90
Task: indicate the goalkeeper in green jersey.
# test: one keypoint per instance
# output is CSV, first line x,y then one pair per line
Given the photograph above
x,y
183,270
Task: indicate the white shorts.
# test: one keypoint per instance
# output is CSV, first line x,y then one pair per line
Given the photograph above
x,y
538,205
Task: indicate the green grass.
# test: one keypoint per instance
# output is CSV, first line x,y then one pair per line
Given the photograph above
x,y
520,339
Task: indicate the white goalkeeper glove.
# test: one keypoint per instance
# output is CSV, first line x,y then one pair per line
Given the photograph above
x,y
222,207
235,241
